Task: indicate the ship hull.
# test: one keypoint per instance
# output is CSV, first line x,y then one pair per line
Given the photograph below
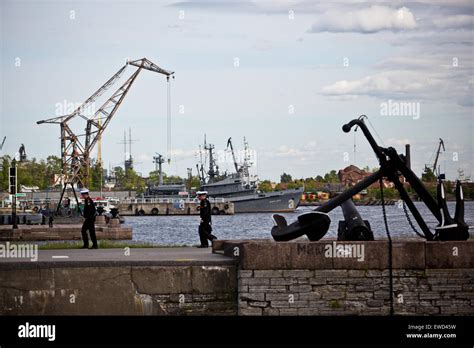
x,y
283,201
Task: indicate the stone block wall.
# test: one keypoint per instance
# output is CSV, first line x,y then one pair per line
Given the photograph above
x,y
356,292
310,278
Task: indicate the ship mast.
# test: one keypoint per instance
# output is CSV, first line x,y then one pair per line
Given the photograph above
x,y
159,160
246,165
212,162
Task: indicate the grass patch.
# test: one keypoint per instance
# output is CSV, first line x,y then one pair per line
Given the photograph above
x,y
334,304
103,244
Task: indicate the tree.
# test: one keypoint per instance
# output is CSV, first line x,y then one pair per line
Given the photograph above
x,y
265,186
96,175
285,178
194,182
331,177
428,175
154,176
132,181
5,163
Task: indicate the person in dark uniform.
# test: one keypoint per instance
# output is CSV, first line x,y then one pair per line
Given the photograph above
x,y
89,220
205,227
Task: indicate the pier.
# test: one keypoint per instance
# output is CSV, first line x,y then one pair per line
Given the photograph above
x,y
113,231
172,206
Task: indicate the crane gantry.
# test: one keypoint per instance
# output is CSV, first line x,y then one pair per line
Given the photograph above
x,y
76,148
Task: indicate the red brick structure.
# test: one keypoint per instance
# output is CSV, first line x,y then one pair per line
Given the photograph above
x,y
351,175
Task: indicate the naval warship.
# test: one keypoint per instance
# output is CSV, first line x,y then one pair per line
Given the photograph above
x,y
241,188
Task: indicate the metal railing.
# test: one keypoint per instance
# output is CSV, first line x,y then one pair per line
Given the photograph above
x,y
168,200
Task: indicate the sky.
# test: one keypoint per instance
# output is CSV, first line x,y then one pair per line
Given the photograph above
x,y
286,75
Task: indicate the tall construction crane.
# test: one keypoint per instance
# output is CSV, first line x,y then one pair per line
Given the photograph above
x,y
3,142
238,169
435,169
76,148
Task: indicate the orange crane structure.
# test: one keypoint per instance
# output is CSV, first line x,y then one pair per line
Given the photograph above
x,y
76,148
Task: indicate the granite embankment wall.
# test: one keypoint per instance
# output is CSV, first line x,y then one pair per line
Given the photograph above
x,y
352,278
118,290
254,278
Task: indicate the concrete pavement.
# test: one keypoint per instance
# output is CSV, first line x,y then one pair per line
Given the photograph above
x,y
181,256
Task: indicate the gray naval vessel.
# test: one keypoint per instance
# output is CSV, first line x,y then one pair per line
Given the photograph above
x,y
241,188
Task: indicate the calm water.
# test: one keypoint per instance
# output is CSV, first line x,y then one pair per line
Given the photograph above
x,y
182,230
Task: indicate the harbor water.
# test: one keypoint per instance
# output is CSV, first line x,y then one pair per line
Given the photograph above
x,y
182,230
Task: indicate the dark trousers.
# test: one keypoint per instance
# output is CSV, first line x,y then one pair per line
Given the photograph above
x,y
89,225
205,233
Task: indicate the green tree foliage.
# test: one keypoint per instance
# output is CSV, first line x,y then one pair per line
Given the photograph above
x,y
193,183
428,175
154,178
265,186
96,177
129,180
285,178
5,163
331,177
388,193
31,173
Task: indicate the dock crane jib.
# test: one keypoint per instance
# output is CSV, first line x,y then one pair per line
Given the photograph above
x,y
3,142
229,145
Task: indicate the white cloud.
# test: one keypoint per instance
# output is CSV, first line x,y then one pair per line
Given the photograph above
x,y
397,142
368,20
454,22
412,77
387,83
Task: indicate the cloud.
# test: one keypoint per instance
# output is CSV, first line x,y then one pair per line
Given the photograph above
x,y
368,20
454,22
386,84
467,99
412,76
397,142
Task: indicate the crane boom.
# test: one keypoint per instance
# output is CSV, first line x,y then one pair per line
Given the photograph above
x,y
435,164
229,144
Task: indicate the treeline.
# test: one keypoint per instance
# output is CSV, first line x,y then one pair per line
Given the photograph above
x,y
32,172
310,184
319,183
41,173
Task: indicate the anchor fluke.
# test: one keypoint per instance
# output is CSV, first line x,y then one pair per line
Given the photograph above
x,y
449,228
315,225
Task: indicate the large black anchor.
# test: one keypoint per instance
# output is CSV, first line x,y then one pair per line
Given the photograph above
x,y
392,166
